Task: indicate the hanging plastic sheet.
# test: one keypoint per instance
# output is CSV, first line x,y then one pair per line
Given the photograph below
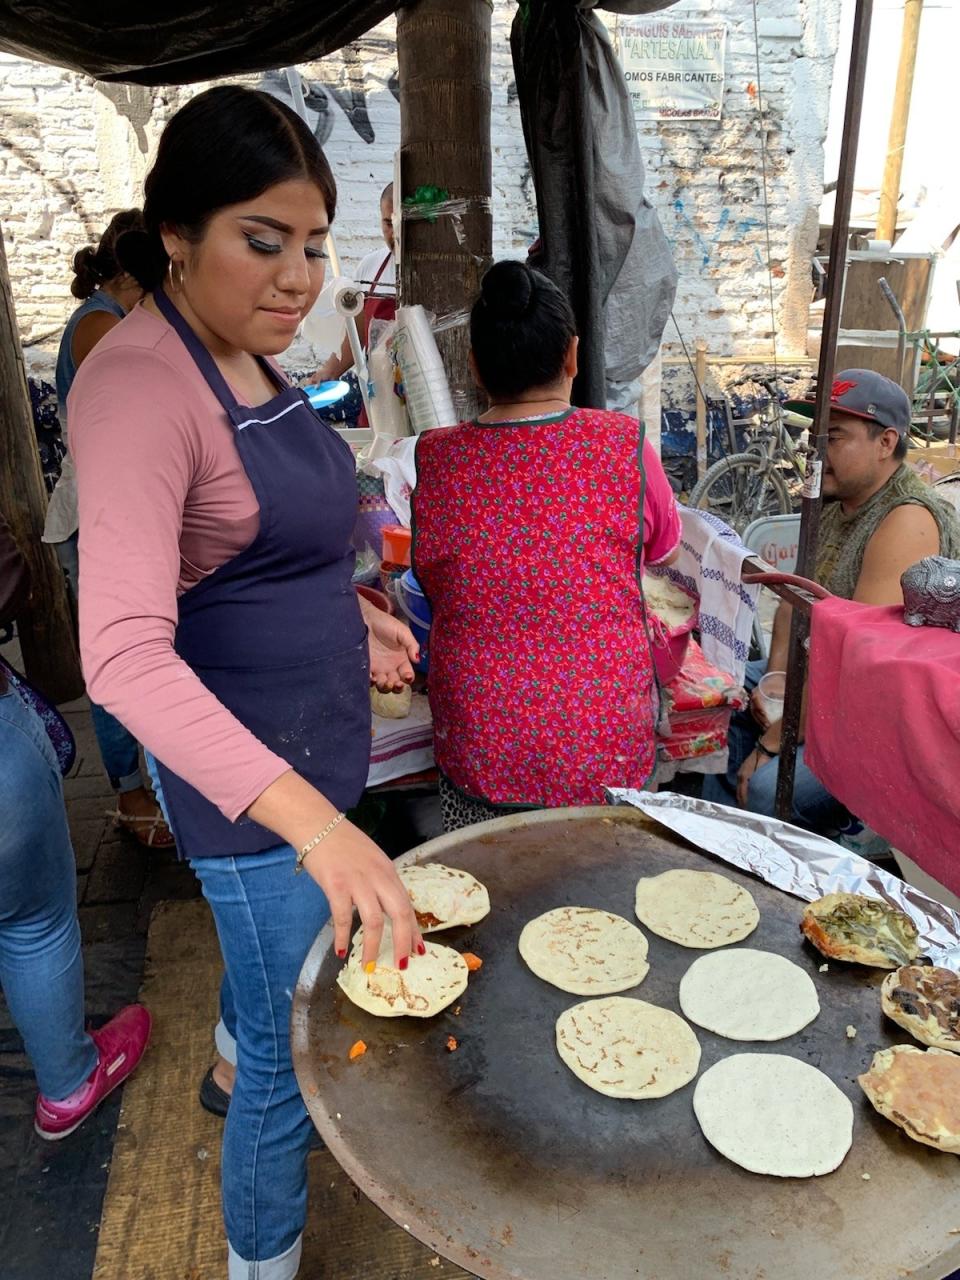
x,y
601,239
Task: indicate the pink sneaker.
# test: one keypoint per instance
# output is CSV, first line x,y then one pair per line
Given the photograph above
x,y
122,1042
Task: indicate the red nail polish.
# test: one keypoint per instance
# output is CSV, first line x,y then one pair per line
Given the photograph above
x,y
342,955
421,948
404,961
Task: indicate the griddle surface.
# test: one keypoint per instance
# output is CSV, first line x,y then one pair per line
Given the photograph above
x,y
500,1159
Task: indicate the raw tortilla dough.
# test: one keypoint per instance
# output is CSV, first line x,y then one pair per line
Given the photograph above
x,y
444,896
429,984
773,1114
390,705
585,951
696,908
627,1048
748,995
671,605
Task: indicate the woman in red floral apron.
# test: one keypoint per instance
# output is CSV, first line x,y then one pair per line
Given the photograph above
x,y
531,528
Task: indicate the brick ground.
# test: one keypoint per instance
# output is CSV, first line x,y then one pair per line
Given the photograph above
x,y
52,1193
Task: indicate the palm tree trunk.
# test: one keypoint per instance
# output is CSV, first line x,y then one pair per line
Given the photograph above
x,y
46,625
443,53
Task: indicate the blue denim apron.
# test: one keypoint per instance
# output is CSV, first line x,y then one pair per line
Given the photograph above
x,y
276,633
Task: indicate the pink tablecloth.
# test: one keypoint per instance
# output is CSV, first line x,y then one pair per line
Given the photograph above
x,y
883,730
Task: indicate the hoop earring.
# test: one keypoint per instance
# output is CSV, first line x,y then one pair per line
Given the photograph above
x,y
176,283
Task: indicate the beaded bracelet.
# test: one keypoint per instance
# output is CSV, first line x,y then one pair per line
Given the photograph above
x,y
312,844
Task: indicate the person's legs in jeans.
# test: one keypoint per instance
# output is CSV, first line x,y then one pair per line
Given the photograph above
x,y
118,751
813,806
118,748
69,556
267,919
41,966
743,735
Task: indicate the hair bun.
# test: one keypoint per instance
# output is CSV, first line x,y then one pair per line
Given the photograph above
x,y
508,289
142,256
86,276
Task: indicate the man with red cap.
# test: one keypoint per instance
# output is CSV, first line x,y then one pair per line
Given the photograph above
x,y
878,519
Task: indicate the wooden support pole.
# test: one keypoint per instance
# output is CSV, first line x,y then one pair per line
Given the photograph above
x,y
46,626
443,59
899,118
701,368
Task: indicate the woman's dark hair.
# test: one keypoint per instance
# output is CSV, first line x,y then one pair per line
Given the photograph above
x,y
225,146
520,329
94,267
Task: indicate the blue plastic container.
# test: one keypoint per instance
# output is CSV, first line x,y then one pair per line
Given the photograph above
x,y
413,606
324,394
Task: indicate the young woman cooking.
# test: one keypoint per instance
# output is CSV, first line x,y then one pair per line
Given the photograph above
x,y
531,529
218,620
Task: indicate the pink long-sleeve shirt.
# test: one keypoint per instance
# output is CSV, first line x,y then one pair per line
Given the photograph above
x,y
163,502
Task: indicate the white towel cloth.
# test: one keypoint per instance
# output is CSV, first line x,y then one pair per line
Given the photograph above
x,y
709,565
401,747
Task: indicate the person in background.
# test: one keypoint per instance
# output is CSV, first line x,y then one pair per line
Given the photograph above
x,y
377,276
878,519
41,963
107,293
228,634
531,528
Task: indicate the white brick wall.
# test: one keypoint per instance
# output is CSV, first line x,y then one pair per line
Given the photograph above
x,y
72,152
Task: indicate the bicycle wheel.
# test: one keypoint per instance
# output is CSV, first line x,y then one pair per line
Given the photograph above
x,y
740,489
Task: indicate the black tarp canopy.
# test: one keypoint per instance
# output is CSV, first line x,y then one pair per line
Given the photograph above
x,y
181,41
602,241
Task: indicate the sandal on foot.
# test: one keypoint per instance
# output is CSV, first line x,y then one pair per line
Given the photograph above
x,y
212,1097
150,831
217,1102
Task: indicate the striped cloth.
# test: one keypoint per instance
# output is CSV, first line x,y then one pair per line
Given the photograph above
x,y
709,566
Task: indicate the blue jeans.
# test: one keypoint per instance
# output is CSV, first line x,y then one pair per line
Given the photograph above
x,y
118,747
41,966
225,1033
118,750
813,806
267,919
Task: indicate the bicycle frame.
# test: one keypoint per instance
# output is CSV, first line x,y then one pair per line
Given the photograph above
x,y
772,439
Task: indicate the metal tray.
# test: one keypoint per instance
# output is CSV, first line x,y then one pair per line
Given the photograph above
x,y
498,1158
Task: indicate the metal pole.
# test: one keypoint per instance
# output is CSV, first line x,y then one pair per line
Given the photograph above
x,y
810,513
891,297
701,368
890,190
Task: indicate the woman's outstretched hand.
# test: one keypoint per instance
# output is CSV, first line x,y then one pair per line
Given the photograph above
x,y
353,871
347,865
393,650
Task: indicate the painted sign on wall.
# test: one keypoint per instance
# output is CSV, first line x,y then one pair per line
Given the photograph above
x,y
673,68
